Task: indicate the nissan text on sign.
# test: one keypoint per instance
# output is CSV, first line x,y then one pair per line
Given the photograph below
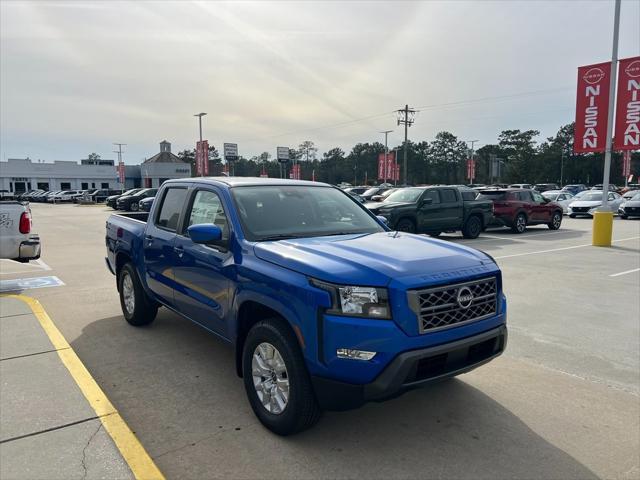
x,y
627,133
591,108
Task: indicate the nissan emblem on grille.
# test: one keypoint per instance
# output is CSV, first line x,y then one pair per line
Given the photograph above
x,y
465,297
452,305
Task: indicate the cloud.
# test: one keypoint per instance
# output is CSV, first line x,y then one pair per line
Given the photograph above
x,y
76,76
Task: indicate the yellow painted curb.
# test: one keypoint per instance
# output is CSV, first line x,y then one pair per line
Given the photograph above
x,y
139,461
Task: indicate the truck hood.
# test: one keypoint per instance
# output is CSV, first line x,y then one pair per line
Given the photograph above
x,y
377,206
371,259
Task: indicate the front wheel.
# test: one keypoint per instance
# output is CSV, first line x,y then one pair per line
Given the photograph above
x,y
435,234
472,227
556,221
137,307
134,207
572,215
276,379
520,224
406,225
624,217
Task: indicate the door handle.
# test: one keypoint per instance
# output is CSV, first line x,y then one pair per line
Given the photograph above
x,y
148,239
179,251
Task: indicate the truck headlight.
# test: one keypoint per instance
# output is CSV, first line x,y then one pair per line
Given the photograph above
x,y
357,301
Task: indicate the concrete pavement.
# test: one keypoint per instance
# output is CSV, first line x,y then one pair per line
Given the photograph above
x,y
49,429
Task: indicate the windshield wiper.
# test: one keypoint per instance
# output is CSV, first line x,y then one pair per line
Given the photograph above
x,y
343,233
280,236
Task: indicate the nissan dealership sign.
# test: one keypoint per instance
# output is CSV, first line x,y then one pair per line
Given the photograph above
x,y
591,108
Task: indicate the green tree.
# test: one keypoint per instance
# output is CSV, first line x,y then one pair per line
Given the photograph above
x,y
93,156
519,149
307,151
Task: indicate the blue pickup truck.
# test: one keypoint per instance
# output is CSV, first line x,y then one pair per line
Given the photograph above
x,y
326,307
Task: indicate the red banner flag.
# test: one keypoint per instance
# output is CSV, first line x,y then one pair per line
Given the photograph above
x,y
626,164
627,133
591,108
121,173
471,169
205,157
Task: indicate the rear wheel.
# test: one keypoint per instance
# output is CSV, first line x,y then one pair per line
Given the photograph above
x,y
435,234
572,215
137,307
624,217
406,225
556,221
134,206
276,379
520,223
472,227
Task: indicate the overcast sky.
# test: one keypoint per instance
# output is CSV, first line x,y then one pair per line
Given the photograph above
x,y
77,76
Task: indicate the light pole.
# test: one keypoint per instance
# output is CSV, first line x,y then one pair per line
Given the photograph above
x,y
603,218
200,115
386,154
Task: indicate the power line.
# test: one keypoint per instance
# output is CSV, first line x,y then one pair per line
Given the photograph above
x,y
429,107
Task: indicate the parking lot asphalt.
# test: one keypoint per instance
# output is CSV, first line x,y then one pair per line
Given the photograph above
x,y
563,402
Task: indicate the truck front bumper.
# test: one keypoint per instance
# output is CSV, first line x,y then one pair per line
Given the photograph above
x,y
413,369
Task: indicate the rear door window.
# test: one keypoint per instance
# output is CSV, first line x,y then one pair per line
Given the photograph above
x,y
171,207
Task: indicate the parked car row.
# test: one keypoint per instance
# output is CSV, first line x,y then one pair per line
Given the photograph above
x,y
130,200
61,196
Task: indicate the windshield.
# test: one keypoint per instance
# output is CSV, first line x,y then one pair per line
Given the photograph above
x,y
636,197
409,195
371,191
550,196
592,197
274,212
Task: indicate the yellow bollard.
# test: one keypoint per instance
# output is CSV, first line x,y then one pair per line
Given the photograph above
x,y
602,229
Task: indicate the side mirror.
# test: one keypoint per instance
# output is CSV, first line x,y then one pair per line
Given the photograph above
x,y
426,201
382,219
205,233
377,198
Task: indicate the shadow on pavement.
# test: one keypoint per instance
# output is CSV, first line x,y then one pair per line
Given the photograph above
x,y
175,385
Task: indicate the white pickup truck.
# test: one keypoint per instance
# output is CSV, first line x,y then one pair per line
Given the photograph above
x,y
17,242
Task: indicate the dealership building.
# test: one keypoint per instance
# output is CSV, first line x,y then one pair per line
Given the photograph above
x,y
19,175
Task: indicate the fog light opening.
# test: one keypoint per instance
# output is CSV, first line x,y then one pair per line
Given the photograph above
x,y
355,354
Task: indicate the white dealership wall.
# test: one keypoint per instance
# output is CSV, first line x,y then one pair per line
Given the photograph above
x,y
29,174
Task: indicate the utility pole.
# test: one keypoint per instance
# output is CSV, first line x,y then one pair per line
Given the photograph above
x,y
406,118
200,115
386,154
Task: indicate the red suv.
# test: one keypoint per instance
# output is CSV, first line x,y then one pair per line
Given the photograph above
x,y
516,208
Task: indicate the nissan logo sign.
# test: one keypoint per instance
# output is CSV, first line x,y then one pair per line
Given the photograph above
x,y
465,297
593,76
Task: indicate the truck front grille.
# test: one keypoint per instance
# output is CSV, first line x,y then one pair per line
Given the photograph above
x,y
452,305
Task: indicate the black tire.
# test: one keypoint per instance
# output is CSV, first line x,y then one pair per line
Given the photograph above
x,y
302,410
144,310
435,234
472,227
624,217
134,206
556,221
406,225
572,215
519,224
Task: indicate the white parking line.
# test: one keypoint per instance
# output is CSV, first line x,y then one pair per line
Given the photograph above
x,y
10,267
624,273
561,249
